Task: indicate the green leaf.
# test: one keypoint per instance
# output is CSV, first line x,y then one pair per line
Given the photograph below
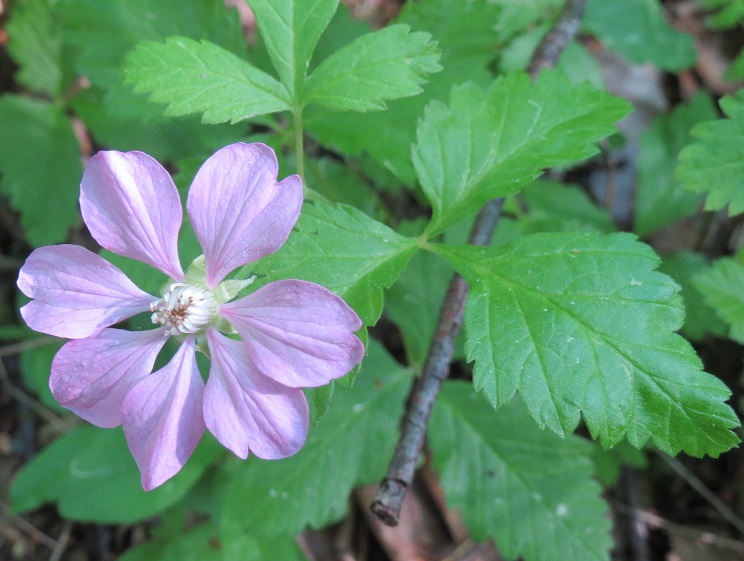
x,y
528,489
700,317
201,77
344,250
490,143
465,34
714,164
36,45
203,543
557,207
291,29
104,32
142,126
388,64
722,287
92,476
41,168
730,14
638,30
582,325
350,445
608,462
660,199
36,365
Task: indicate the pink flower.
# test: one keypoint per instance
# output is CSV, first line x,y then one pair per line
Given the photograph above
x,y
294,333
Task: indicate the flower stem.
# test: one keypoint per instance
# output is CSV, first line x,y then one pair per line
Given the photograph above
x,y
299,146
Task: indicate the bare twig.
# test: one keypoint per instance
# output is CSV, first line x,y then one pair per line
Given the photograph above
x,y
389,499
18,348
695,482
25,526
701,537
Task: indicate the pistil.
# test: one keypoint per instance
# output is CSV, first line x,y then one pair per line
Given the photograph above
x,y
184,309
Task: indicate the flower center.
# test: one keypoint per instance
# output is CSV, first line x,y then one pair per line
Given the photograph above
x,y
184,309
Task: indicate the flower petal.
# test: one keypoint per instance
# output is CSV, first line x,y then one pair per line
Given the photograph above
x,y
132,207
238,210
297,332
92,376
246,410
162,417
76,292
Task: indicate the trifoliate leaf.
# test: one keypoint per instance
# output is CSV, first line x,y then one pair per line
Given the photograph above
x,y
350,445
344,250
638,30
582,325
715,164
529,490
388,64
40,168
700,317
722,287
201,77
490,143
291,29
660,199
92,476
36,45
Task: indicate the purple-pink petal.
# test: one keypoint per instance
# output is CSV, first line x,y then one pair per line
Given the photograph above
x,y
132,207
297,332
239,212
92,376
246,410
162,417
76,292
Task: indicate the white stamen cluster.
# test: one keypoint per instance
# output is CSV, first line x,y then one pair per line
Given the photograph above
x,y
184,309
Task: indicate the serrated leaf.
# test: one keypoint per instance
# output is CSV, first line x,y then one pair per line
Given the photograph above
x,y
660,199
465,35
528,489
91,475
35,43
201,77
638,30
582,325
490,143
350,445
291,30
377,67
41,168
344,250
722,287
700,317
714,164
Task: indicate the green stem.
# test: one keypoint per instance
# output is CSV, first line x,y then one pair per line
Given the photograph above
x,y
299,142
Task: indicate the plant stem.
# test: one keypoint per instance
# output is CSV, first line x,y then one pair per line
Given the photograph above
x,y
299,146
389,499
